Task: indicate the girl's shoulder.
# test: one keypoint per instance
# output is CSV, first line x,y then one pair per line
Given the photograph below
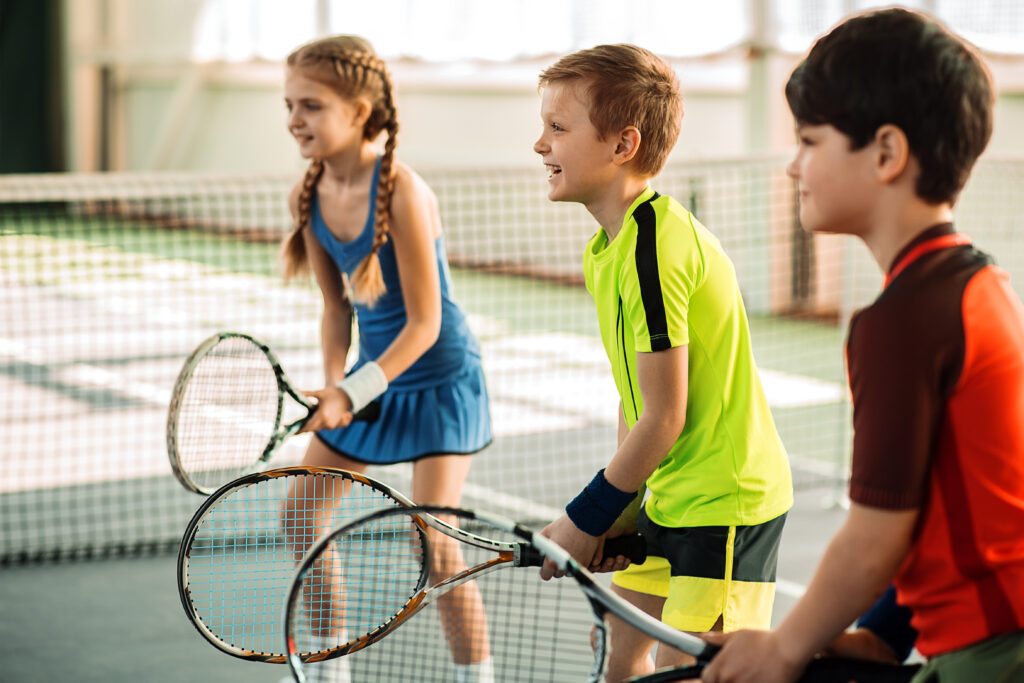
x,y
410,187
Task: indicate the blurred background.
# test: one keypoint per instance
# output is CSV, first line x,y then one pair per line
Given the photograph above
x,y
114,85
144,171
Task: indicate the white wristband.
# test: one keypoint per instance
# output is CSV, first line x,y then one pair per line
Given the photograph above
x,y
364,385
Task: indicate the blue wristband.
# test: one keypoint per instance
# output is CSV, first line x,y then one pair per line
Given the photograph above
x,y
598,505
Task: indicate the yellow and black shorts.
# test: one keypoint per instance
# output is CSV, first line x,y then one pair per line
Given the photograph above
x,y
709,571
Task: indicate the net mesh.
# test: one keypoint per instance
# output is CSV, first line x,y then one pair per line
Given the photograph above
x,y
109,281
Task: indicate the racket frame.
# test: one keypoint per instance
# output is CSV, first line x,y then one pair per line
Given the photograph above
x,y
513,554
279,432
185,549
529,552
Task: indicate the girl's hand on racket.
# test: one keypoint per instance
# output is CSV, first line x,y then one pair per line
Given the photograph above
x,y
581,545
334,409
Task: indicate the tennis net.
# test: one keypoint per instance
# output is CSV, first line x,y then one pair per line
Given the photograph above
x,y
107,281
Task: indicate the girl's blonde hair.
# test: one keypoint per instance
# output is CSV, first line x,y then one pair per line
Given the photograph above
x,y
349,65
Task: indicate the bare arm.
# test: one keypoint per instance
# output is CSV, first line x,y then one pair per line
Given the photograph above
x,y
663,381
335,326
336,321
415,224
856,568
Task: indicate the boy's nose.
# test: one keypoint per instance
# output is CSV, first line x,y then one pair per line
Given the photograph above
x,y
791,168
539,146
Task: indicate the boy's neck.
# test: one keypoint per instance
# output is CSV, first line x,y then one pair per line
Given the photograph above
x,y
610,208
889,235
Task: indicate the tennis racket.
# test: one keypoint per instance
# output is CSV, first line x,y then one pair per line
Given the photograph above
x,y
227,411
239,551
821,670
365,579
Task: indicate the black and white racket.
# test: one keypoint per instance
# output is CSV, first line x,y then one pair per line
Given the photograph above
x,y
366,578
821,670
228,411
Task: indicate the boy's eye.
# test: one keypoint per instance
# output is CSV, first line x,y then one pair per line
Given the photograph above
x,y
555,127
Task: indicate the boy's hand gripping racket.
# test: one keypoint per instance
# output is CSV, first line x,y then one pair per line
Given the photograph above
x,y
227,411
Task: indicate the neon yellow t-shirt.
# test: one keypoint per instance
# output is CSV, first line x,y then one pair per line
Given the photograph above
x,y
663,282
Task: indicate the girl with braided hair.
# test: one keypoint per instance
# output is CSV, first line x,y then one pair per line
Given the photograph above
x,y
369,229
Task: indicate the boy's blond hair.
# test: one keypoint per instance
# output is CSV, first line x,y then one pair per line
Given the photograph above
x,y
627,85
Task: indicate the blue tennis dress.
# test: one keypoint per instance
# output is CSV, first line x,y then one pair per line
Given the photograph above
x,y
439,405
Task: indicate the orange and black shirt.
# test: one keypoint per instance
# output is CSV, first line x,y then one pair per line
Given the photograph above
x,y
936,371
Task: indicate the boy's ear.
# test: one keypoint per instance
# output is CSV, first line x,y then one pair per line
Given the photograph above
x,y
892,152
627,143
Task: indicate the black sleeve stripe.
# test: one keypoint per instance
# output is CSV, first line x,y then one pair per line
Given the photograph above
x,y
647,273
621,343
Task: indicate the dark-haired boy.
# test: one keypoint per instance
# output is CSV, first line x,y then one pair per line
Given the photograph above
x,y
892,111
694,424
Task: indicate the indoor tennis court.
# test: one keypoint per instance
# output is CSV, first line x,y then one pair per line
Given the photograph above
x,y
158,220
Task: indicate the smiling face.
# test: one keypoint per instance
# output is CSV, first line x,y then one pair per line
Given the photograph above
x,y
321,121
579,163
837,185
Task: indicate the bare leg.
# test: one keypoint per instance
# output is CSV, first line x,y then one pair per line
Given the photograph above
x,y
438,481
630,649
669,656
306,514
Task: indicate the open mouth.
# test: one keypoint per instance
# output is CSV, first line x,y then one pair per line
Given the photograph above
x,y
552,170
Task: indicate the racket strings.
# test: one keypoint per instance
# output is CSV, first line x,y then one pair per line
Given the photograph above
x,y
246,546
227,412
359,583
524,628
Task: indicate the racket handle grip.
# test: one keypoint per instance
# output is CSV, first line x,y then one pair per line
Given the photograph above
x,y
369,413
632,546
708,653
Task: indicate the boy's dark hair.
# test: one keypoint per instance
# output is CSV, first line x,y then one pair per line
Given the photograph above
x,y
902,68
627,85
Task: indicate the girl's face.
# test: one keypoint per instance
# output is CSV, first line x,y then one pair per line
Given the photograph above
x,y
321,121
